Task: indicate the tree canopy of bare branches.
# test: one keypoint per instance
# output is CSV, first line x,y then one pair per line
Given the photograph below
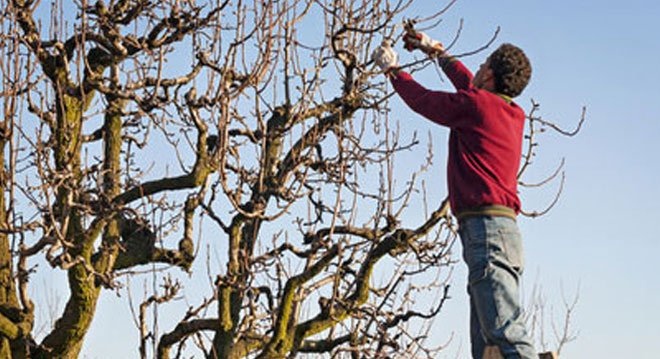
x,y
125,120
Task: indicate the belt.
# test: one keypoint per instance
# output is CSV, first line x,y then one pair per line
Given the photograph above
x,y
489,210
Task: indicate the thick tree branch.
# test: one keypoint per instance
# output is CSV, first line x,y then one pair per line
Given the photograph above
x,y
342,111
181,331
286,304
394,244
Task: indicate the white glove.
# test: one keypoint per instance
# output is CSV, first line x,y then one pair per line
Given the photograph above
x,y
385,57
423,42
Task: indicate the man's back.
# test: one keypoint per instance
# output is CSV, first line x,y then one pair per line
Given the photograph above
x,y
485,140
484,155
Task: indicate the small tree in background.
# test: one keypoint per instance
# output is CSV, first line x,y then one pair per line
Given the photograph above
x,y
123,121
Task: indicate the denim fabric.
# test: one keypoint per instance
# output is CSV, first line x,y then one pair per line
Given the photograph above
x,y
492,250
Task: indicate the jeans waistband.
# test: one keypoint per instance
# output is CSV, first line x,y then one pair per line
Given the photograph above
x,y
489,210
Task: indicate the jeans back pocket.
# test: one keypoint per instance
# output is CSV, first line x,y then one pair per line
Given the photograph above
x,y
512,248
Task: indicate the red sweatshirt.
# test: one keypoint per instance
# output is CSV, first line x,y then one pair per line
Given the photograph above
x,y
485,138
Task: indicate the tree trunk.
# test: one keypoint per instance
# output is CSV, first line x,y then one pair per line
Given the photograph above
x,y
65,341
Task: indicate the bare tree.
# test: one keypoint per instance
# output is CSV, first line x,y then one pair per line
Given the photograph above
x,y
276,128
542,317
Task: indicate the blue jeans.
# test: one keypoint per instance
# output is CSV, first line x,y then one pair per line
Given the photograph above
x,y
492,250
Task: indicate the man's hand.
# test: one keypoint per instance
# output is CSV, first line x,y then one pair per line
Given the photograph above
x,y
423,42
385,57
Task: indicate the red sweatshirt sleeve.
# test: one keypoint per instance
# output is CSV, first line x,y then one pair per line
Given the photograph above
x,y
444,108
457,73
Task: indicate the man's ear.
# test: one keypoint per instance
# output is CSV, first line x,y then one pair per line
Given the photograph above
x,y
488,79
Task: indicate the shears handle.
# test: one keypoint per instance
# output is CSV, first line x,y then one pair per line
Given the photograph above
x,y
410,33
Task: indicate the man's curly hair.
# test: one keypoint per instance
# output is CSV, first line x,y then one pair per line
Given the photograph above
x,y
511,69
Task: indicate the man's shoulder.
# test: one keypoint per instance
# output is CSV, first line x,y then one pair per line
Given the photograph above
x,y
491,99
476,97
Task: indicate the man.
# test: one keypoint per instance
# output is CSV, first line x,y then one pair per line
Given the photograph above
x,y
485,141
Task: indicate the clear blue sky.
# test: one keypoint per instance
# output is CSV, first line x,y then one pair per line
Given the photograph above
x,y
604,234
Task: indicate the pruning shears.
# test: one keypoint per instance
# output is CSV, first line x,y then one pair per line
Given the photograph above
x,y
409,28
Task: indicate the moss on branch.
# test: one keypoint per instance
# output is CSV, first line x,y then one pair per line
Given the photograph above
x,y
280,337
181,331
138,247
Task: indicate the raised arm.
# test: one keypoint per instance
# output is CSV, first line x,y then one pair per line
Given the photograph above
x,y
458,74
444,108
